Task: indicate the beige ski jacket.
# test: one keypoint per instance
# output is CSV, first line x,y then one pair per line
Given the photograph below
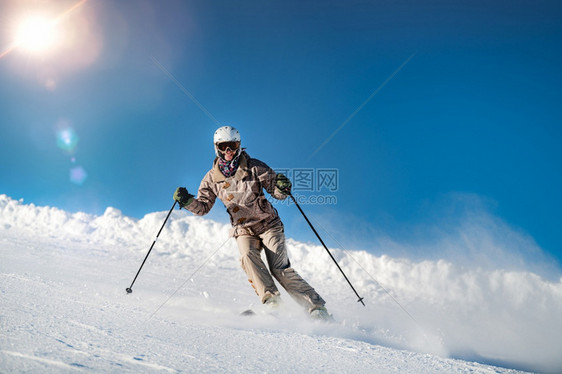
x,y
242,194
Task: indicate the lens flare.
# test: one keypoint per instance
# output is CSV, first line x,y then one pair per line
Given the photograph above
x,y
78,175
67,139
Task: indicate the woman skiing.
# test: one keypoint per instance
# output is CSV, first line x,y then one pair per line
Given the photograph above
x,y
239,182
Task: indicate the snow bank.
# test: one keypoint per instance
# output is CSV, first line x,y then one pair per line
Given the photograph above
x,y
494,316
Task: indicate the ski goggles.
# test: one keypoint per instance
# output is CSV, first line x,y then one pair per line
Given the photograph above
x,y
224,146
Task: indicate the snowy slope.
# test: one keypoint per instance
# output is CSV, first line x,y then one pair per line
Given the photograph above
x,y
64,308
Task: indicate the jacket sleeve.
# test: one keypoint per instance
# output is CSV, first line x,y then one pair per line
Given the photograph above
x,y
205,197
267,177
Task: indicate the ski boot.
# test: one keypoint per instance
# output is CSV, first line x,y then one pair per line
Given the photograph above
x,y
320,313
273,302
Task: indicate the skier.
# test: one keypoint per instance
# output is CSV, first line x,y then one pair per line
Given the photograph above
x,y
239,180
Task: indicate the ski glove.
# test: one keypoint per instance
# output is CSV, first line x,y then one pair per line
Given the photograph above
x,y
283,184
183,197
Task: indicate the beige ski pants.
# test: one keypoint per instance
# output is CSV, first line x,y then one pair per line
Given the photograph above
x,y
273,243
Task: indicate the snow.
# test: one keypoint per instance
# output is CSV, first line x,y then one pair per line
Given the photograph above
x,y
64,307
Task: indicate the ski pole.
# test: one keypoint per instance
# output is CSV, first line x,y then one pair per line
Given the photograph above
x,y
130,288
360,300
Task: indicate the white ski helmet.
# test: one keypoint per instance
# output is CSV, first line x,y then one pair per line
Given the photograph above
x,y
226,134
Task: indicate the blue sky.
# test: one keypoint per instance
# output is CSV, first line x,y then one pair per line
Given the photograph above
x,y
437,114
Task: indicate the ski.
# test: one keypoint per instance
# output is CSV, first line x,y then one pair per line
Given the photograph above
x,y
248,312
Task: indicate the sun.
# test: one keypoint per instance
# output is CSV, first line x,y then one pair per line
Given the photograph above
x,y
41,33
37,34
